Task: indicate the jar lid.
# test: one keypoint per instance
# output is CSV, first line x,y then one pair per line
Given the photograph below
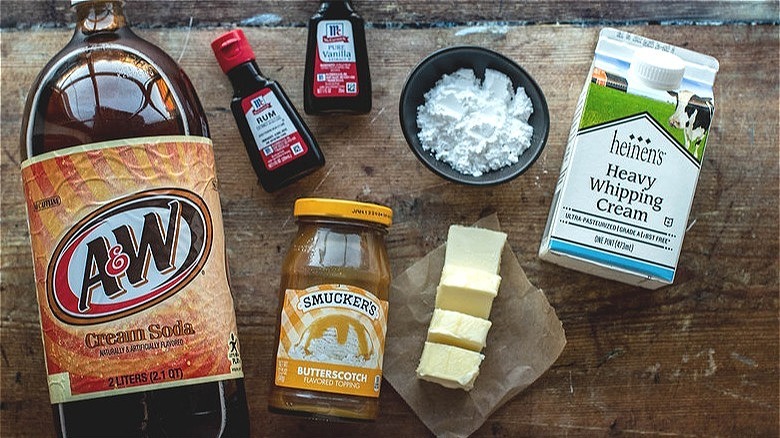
x,y
340,208
657,69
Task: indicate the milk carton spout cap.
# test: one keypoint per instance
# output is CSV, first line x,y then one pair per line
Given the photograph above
x,y
657,69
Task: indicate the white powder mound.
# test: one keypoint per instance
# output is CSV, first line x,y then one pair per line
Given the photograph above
x,y
475,127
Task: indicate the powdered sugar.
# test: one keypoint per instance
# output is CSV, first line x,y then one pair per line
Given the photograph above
x,y
475,126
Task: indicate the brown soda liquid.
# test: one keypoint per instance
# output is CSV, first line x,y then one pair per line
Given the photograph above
x,y
109,84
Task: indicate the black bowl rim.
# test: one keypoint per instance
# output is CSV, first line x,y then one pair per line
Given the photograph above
x,y
422,156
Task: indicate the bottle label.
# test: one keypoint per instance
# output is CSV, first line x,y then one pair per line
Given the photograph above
x,y
278,141
129,261
332,339
335,66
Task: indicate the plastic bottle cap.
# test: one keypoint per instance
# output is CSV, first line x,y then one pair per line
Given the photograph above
x,y
657,69
232,49
339,208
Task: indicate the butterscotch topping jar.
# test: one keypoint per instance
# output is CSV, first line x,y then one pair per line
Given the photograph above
x,y
333,311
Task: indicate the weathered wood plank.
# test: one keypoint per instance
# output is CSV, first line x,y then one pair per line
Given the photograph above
x,y
155,13
698,358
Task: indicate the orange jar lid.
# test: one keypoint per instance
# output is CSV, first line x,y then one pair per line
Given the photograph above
x,y
339,208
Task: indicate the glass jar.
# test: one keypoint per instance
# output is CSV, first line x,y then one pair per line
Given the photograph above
x,y
333,311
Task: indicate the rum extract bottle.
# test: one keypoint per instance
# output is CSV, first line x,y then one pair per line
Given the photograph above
x,y
281,148
337,77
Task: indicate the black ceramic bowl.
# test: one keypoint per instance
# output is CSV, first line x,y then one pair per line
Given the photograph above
x,y
449,60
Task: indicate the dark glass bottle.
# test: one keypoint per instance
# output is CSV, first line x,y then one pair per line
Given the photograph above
x,y
109,84
281,148
337,77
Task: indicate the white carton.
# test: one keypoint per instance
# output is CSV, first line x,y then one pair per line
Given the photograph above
x,y
621,205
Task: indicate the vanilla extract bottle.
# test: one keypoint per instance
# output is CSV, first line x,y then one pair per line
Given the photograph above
x,y
127,241
337,77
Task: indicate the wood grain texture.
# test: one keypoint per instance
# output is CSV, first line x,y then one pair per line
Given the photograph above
x,y
699,358
413,13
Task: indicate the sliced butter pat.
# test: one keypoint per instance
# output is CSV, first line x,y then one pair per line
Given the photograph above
x,y
469,301
469,278
477,248
449,366
467,290
458,329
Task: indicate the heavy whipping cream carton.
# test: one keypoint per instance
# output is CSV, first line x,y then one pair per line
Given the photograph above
x,y
621,205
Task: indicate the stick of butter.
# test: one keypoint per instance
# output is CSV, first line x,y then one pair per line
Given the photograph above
x,y
458,329
477,248
449,366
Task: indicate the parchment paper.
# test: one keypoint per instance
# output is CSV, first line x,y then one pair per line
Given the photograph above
x,y
524,341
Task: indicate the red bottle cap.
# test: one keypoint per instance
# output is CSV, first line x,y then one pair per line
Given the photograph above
x,y
232,49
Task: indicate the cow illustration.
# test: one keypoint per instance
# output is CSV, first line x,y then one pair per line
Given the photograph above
x,y
693,115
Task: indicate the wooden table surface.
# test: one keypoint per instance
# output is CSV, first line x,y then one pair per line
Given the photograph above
x,y
698,358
